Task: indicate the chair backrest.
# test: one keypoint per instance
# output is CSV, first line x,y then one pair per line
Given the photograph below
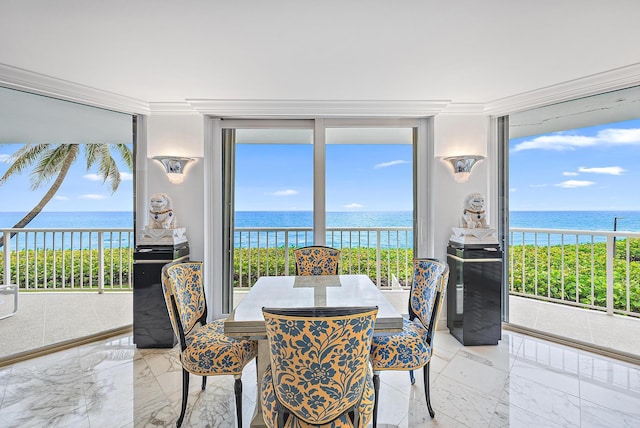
x,y
319,359
427,291
316,260
184,296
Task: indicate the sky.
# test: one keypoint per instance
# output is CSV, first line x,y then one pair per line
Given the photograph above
x,y
81,190
359,177
588,169
594,168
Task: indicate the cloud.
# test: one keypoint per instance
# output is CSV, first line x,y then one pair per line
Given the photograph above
x,y
570,174
572,184
92,177
387,164
124,176
512,189
537,185
620,136
353,205
93,197
612,170
287,192
61,198
5,158
562,141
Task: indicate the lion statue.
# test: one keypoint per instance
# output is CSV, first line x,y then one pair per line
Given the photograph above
x,y
161,213
473,215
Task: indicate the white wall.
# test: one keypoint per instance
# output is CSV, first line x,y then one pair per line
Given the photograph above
x,y
179,135
457,135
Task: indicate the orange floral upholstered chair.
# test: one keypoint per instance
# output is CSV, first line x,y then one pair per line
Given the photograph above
x,y
412,349
204,351
317,260
319,373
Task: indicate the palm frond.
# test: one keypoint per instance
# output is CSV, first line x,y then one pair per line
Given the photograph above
x,y
23,158
49,166
107,166
125,153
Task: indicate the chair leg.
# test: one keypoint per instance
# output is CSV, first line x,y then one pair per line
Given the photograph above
x,y
185,392
376,389
238,390
204,382
426,390
412,377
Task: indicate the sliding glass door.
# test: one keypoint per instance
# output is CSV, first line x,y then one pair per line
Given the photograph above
x,y
293,183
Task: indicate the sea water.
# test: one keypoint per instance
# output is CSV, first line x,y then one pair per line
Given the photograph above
x,y
570,220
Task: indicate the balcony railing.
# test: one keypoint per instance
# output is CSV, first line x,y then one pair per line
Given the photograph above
x,y
384,254
68,259
592,269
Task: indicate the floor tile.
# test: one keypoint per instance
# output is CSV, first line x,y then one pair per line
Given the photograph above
x,y
522,382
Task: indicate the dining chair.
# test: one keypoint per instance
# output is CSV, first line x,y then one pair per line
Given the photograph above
x,y
319,373
204,350
316,260
412,348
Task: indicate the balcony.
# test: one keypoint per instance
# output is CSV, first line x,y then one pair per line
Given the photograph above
x,y
567,284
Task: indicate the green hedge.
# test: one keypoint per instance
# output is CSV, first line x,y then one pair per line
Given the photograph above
x,y
393,262
363,260
549,267
36,262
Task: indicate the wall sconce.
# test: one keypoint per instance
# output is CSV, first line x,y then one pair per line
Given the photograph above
x,y
174,167
462,165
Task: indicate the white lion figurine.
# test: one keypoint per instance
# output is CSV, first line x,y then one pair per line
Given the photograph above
x,y
161,213
473,215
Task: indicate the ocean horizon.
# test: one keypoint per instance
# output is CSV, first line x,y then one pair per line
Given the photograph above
x,y
572,220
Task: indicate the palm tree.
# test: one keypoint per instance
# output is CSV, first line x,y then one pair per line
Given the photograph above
x,y
54,160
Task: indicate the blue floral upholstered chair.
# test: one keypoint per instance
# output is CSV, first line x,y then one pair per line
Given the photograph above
x,y
320,372
412,349
316,260
204,351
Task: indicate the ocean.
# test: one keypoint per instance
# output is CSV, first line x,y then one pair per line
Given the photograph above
x,y
574,220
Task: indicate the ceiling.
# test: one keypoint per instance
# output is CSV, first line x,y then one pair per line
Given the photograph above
x,y
463,51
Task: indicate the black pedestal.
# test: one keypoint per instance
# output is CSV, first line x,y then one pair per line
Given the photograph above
x,y
151,324
474,293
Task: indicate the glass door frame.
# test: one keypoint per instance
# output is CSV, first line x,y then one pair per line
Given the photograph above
x,y
219,205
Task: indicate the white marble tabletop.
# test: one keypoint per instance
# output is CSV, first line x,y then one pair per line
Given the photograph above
x,y
309,291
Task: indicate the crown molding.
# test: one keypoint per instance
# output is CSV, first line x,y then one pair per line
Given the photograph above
x,y
172,108
464,109
29,81
317,108
619,78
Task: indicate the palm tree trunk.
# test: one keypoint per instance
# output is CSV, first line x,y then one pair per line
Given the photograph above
x,y
47,196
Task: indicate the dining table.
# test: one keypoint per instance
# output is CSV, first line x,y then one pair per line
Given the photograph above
x,y
246,320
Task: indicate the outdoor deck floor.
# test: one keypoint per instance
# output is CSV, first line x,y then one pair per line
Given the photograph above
x,y
45,319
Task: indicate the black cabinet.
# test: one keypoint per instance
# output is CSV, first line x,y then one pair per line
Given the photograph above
x,y
151,323
474,297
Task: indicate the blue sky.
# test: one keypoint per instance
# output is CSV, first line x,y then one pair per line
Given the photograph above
x,y
81,190
359,177
594,168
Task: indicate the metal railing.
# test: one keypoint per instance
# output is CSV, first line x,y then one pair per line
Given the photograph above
x,y
592,269
68,259
384,254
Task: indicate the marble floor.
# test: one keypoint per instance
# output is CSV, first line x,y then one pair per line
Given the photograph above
x,y
521,382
